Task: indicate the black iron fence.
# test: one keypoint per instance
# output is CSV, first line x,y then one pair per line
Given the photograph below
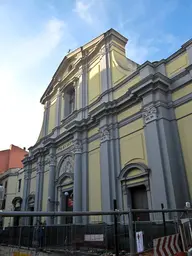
x,y
91,232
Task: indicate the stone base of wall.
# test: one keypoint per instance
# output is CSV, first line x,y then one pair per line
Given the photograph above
x,y
11,251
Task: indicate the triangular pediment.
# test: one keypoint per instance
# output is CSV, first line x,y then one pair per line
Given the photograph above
x,y
70,62
73,60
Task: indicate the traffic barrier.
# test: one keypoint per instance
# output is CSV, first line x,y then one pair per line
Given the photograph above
x,y
166,246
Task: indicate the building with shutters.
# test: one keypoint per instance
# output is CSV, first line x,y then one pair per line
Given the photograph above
x,y
11,181
113,129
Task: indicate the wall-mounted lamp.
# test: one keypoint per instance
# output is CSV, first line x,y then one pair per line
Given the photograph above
x,y
66,193
54,202
187,204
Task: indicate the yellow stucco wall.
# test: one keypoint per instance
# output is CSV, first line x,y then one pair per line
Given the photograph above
x,y
183,110
93,131
124,88
117,73
12,192
132,143
52,114
93,145
184,122
134,172
62,108
94,177
129,112
78,97
94,83
185,90
33,182
177,64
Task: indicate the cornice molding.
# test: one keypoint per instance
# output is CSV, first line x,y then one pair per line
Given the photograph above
x,y
133,96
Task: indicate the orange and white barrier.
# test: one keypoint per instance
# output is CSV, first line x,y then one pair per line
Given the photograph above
x,y
166,246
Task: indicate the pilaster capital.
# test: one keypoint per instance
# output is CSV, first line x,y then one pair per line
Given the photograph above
x,y
104,50
52,159
26,176
77,147
58,92
104,134
80,72
39,166
46,104
149,113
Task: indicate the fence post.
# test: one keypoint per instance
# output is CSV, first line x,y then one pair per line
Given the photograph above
x,y
131,234
116,229
164,223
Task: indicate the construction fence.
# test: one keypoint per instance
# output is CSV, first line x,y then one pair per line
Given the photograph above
x,y
92,233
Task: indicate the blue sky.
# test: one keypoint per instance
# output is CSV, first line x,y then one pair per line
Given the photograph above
x,y
36,35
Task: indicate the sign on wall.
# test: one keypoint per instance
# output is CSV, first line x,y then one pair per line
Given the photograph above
x,y
94,238
139,241
64,146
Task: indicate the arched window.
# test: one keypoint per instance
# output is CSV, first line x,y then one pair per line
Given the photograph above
x,y
69,99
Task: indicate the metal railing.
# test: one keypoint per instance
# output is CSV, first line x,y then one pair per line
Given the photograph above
x,y
95,233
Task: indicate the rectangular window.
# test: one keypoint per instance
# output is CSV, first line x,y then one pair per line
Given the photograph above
x,y
19,185
71,101
5,187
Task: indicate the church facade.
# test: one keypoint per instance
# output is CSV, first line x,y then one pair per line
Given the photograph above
x,y
113,129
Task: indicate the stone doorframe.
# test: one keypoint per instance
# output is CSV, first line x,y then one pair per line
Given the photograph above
x,y
61,188
64,177
142,178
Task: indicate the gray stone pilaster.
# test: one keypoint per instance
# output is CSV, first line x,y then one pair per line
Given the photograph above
x,y
58,108
117,160
85,194
81,96
146,70
161,69
39,184
51,185
105,171
77,191
155,161
25,188
113,177
85,88
171,152
46,118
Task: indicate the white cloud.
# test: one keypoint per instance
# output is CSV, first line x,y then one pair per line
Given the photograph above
x,y
82,8
139,51
20,109
30,51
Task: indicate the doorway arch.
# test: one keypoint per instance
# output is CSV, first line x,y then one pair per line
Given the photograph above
x,y
31,206
16,202
64,185
135,186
